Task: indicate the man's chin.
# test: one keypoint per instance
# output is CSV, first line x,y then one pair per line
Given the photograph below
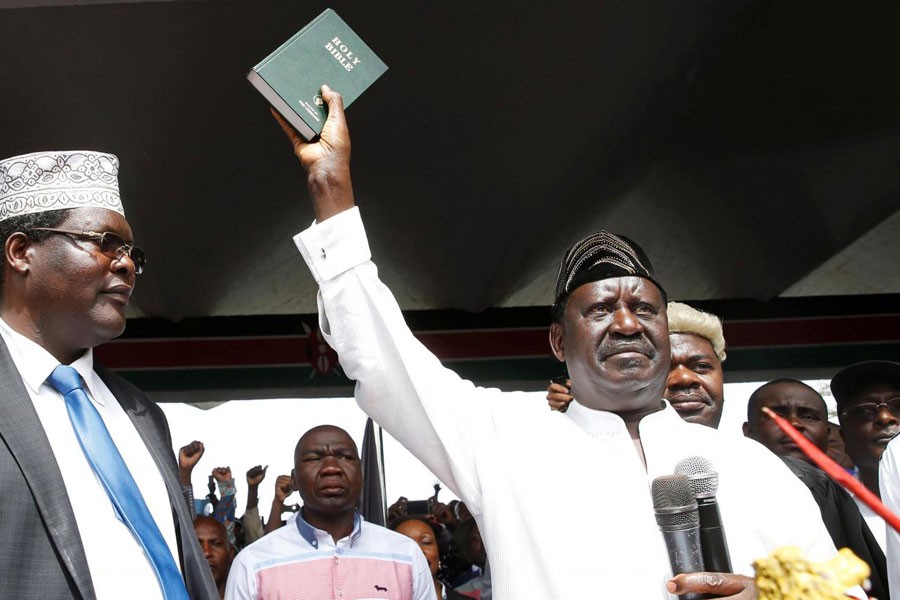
x,y
691,416
109,325
630,373
628,361
799,455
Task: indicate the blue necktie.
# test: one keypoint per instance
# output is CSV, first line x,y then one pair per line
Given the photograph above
x,y
107,463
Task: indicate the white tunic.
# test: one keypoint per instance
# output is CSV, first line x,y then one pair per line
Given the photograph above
x,y
889,484
562,500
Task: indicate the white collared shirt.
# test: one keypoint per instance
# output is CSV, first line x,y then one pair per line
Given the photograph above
x,y
875,523
301,561
119,567
889,484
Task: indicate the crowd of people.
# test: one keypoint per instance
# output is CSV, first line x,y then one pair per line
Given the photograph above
x,y
446,533
554,504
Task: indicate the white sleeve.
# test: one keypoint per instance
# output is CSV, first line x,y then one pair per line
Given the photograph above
x,y
889,485
241,584
423,583
438,416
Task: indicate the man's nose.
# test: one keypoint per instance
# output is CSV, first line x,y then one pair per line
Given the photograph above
x,y
795,420
681,377
124,265
886,416
625,322
330,464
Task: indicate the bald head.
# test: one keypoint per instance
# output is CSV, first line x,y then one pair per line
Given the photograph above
x,y
331,430
797,402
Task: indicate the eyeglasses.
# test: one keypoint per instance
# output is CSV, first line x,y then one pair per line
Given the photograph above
x,y
111,245
869,411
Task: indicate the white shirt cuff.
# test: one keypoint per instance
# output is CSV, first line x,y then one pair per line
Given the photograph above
x,y
335,245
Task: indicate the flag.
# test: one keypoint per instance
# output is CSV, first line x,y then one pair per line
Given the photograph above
x,y
372,500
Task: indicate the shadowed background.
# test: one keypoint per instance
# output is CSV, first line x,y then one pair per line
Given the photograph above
x,y
752,148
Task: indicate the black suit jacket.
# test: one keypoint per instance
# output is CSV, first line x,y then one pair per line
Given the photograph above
x,y
844,522
41,554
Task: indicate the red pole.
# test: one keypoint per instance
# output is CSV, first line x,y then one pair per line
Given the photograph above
x,y
836,471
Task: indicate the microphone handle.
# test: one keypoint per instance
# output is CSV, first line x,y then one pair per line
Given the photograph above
x,y
712,537
685,555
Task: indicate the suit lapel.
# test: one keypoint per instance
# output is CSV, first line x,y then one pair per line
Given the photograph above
x,y
22,432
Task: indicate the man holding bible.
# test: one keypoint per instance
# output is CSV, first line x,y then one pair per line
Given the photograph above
x,y
610,329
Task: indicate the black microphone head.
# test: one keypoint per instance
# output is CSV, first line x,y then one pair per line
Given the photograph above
x,y
674,503
702,475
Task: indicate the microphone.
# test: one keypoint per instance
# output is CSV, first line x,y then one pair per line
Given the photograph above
x,y
704,482
679,522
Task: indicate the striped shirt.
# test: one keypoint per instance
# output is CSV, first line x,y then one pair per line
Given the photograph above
x,y
299,561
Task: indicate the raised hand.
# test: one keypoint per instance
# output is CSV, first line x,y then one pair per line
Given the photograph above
x,y
283,488
256,474
222,473
188,457
326,160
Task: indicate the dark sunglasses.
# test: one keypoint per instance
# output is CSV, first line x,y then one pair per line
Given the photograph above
x,y
111,245
869,411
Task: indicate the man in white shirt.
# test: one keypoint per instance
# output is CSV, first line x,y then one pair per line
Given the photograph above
x,y
92,506
562,500
327,551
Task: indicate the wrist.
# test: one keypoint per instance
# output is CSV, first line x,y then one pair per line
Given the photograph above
x,y
331,191
185,476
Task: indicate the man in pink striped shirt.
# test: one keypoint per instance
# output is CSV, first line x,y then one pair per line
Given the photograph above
x,y
327,552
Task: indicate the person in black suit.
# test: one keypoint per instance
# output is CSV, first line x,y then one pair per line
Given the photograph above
x,y
89,491
805,409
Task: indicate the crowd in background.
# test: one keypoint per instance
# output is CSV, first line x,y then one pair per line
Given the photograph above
x,y
446,533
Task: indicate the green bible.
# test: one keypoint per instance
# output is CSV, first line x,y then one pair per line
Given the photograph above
x,y
326,51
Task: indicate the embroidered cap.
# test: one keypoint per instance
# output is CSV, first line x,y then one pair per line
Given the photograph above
x,y
602,255
55,180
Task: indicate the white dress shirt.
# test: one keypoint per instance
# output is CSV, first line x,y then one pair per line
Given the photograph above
x,y
119,567
562,500
889,484
875,523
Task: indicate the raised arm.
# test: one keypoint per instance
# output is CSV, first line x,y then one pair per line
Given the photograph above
x,y
439,417
253,529
188,457
283,489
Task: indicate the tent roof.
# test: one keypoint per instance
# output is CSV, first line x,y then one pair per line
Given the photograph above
x,y
752,148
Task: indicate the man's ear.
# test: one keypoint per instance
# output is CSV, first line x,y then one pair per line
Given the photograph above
x,y
16,252
556,341
746,428
294,486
